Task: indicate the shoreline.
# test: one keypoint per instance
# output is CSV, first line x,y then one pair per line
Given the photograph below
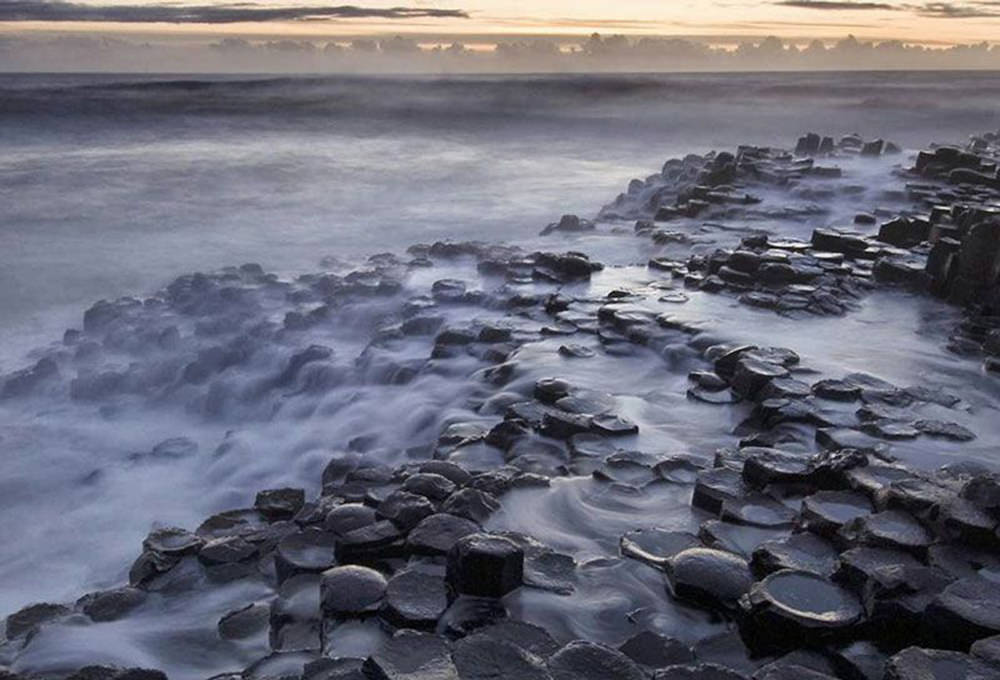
x,y
408,537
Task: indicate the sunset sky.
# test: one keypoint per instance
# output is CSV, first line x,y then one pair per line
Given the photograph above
x,y
925,22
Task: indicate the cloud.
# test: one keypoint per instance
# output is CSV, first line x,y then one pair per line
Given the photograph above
x,y
41,10
951,10
835,6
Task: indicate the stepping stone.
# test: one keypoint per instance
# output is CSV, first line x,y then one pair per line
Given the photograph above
x,y
758,510
351,591
825,512
485,565
802,552
656,651
348,517
966,611
892,529
791,609
173,542
582,660
914,663
415,599
714,487
712,577
527,636
409,655
480,657
436,534
309,551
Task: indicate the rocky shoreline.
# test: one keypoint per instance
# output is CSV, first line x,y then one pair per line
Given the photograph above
x,y
819,550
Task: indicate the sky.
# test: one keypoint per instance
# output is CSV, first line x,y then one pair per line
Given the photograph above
x,y
915,21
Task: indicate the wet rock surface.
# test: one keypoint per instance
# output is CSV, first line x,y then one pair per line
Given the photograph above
x,y
579,472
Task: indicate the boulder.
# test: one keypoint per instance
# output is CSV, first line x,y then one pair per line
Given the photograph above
x,y
485,565
351,591
708,576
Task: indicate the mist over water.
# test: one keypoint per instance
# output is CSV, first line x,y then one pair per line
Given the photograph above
x,y
114,186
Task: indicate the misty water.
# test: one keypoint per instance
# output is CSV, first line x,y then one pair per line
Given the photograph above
x,y
114,185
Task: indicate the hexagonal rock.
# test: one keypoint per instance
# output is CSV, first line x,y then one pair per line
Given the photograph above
x,y
173,542
753,375
769,466
802,551
277,504
791,609
436,534
415,599
412,656
582,660
527,636
478,657
472,504
966,611
348,517
351,591
656,651
429,485
700,671
655,546
713,487
485,565
705,575
758,510
405,509
825,512
915,663
892,529
109,605
858,566
309,551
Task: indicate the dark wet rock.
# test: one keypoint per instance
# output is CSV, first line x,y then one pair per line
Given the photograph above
x,y
859,566
473,504
280,666
791,609
526,636
962,561
757,510
770,466
451,471
984,491
405,509
875,480
915,663
575,351
699,671
825,512
563,425
961,520
892,529
415,599
334,669
860,660
348,517
480,657
429,485
110,605
790,671
351,591
173,542
31,617
656,546
116,673
309,551
752,375
717,397
987,649
227,550
468,614
550,390
436,534
581,660
485,565
410,655
652,650
802,552
148,566
611,425
734,538
246,622
712,577
944,430
715,486
896,598
275,504
965,611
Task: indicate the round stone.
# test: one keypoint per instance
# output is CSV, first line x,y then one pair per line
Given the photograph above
x,y
415,599
582,660
966,611
436,534
713,577
348,517
791,609
351,591
309,551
